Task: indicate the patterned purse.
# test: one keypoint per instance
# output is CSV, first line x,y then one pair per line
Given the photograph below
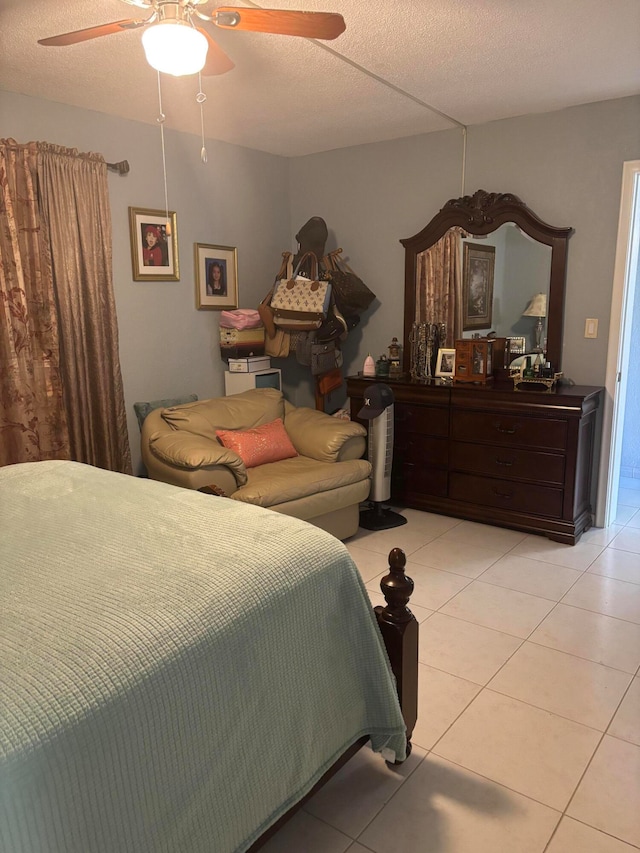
x,y
324,357
301,303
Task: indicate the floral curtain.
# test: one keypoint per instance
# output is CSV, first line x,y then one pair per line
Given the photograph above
x,y
59,334
33,423
439,294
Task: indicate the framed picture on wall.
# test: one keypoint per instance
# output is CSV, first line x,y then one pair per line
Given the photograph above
x,y
216,277
477,286
154,245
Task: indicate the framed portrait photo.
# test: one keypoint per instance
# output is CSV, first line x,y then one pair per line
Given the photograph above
x,y
477,286
446,363
216,277
154,245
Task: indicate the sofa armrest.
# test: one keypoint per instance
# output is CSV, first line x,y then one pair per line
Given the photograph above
x,y
322,437
187,450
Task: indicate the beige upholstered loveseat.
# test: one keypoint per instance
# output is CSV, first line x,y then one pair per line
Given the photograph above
x,y
324,484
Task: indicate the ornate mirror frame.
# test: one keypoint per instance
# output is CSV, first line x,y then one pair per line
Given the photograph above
x,y
481,214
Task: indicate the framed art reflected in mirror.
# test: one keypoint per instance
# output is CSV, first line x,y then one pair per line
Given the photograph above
x,y
477,286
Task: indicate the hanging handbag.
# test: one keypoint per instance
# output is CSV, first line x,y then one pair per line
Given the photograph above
x,y
334,327
324,358
265,310
351,294
279,345
330,381
301,302
304,343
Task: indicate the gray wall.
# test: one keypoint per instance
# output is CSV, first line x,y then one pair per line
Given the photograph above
x,y
239,198
566,166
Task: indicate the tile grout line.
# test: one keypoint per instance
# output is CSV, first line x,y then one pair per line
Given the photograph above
x,y
596,829
494,782
486,687
387,802
562,813
580,657
563,716
582,775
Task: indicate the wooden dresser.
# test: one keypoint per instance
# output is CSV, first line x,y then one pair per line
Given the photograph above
x,y
520,459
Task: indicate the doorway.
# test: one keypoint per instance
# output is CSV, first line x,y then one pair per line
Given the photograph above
x,y
621,433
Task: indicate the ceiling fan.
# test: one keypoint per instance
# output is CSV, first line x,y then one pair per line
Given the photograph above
x,y
175,42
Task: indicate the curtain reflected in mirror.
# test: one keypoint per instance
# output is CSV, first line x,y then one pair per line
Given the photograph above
x,y
439,285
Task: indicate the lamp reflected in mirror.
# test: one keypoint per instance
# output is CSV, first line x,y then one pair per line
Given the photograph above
x,y
537,308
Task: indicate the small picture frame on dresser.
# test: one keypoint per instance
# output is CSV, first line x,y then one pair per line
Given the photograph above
x,y
517,345
446,363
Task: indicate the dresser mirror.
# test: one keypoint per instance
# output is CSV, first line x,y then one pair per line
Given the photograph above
x,y
486,263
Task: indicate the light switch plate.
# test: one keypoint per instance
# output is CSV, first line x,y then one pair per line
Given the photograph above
x,y
591,328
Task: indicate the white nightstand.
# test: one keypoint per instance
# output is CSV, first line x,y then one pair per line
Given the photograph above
x,y
235,383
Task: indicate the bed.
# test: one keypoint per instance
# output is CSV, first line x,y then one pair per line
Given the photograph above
x,y
179,670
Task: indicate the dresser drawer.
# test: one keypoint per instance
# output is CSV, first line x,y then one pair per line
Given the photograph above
x,y
520,459
422,450
509,430
426,420
506,494
409,480
508,462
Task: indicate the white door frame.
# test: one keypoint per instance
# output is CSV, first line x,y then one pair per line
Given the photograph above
x,y
622,298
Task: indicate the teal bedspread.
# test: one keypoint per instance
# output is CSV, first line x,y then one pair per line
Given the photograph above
x,y
176,669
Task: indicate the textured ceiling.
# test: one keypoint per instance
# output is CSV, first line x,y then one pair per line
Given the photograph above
x,y
472,60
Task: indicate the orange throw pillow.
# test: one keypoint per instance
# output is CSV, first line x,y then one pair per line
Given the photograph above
x,y
259,445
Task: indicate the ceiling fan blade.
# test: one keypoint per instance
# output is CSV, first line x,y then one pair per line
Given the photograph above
x,y
315,25
91,33
217,60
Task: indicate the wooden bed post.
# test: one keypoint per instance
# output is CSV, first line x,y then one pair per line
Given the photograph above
x,y
399,628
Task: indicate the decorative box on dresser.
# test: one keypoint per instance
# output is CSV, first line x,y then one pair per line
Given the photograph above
x,y
519,459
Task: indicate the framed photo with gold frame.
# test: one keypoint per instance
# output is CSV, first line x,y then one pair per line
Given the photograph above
x,y
154,245
477,286
216,277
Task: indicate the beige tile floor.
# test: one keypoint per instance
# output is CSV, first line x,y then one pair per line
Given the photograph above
x,y
528,737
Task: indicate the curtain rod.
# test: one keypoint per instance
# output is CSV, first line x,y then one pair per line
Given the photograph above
x,y
121,168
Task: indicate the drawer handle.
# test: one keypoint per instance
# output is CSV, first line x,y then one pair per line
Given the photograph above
x,y
507,430
507,463
506,496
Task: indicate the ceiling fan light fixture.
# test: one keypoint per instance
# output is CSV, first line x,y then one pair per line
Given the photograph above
x,y
175,47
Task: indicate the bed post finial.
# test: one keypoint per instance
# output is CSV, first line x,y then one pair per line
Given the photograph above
x,y
397,588
399,628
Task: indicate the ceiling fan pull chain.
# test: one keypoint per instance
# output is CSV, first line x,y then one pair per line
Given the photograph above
x,y
201,98
161,120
